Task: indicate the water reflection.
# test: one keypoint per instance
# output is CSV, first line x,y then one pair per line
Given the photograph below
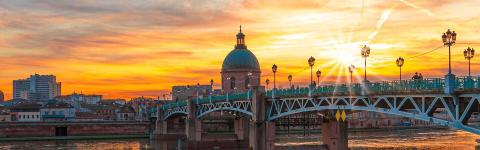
x,y
401,139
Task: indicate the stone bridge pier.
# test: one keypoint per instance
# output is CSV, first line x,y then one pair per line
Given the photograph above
x,y
334,133
262,132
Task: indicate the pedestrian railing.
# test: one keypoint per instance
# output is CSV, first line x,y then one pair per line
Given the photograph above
x,y
427,85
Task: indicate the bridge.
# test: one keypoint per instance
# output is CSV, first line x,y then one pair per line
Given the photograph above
x,y
259,109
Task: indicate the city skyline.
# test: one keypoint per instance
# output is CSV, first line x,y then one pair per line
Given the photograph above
x,y
114,50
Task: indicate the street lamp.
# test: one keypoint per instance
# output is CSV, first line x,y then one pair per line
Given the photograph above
x,y
449,39
274,69
290,80
267,82
469,53
350,69
318,77
365,53
211,85
400,62
311,62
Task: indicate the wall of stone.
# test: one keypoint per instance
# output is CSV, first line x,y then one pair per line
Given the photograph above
x,y
40,129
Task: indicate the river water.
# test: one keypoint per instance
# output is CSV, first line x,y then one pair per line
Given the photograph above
x,y
399,139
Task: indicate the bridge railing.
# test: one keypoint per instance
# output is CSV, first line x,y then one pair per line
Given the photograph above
x,y
428,85
170,105
462,83
230,97
467,82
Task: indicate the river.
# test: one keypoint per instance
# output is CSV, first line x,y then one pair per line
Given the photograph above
x,y
399,139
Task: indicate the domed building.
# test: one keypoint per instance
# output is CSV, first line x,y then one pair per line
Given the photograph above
x,y
240,68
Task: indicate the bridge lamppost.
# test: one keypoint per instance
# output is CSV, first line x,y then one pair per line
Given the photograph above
x,y
311,62
365,53
400,62
318,77
211,84
449,39
267,82
469,53
274,69
350,69
290,80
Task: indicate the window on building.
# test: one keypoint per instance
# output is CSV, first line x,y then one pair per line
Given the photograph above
x,y
247,82
38,116
232,83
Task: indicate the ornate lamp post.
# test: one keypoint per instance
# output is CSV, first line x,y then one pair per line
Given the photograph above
x,y
267,82
318,77
365,53
469,53
350,69
311,62
274,69
400,62
448,39
211,84
290,80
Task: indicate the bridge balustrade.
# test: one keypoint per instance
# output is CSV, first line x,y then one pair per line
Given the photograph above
x,y
467,83
428,85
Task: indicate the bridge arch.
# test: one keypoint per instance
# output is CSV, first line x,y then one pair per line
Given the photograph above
x,y
175,111
244,107
418,107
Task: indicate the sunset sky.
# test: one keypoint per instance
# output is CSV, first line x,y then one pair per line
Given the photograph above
x,y
124,48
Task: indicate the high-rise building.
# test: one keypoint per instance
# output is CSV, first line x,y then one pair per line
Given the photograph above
x,y
37,87
2,97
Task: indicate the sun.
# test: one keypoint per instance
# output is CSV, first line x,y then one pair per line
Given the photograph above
x,y
343,54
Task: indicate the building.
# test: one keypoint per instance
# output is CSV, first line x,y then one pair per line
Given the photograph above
x,y
114,101
240,68
119,102
76,99
141,105
37,87
57,111
126,114
26,112
5,114
2,97
190,91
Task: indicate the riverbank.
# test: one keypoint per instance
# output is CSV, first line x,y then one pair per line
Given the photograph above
x,y
93,137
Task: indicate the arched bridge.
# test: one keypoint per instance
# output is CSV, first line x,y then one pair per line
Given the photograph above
x,y
416,99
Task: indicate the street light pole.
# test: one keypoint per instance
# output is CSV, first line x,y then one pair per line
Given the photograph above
x,y
311,62
274,69
267,82
469,53
318,77
350,69
290,80
400,62
448,39
365,53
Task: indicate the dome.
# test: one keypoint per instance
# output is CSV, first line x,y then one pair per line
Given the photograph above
x,y
240,58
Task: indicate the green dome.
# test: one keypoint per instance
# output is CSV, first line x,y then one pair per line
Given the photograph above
x,y
240,58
